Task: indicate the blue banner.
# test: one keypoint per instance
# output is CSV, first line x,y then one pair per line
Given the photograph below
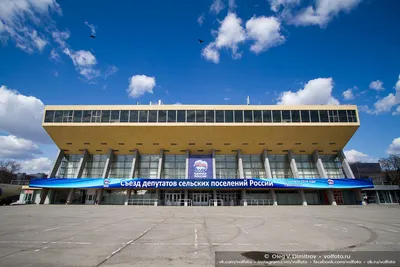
x,y
200,167
256,183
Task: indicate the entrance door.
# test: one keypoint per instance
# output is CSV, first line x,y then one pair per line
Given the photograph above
x,y
228,198
173,199
200,199
90,197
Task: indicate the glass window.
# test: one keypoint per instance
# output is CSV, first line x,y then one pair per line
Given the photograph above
x,y
305,116
314,115
248,116
238,115
276,114
286,115
295,116
267,116
199,115
181,115
105,116
86,116
96,116
171,115
323,115
78,116
219,116
343,116
257,115
209,115
228,115
143,115
190,116
133,116
58,116
49,117
351,114
152,115
162,116
333,116
68,115
124,116
115,116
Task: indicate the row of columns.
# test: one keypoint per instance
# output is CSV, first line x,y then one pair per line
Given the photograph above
x,y
317,160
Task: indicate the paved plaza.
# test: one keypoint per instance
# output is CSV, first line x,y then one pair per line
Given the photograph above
x,y
60,235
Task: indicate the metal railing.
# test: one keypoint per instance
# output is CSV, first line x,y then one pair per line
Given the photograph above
x,y
142,201
218,201
383,183
20,182
257,202
179,202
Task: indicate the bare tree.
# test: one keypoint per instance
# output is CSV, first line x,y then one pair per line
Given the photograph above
x,y
8,170
391,166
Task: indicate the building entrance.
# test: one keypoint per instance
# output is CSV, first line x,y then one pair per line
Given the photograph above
x,y
173,199
200,199
227,198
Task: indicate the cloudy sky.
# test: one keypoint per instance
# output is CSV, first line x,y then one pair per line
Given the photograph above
x,y
275,51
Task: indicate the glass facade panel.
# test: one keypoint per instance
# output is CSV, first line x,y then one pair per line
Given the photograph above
x,y
94,166
248,116
343,116
305,115
226,166
174,167
153,116
333,166
238,115
147,167
286,116
351,114
58,116
121,166
133,116
143,115
86,116
162,116
314,115
333,116
105,116
228,115
78,115
190,116
257,115
171,115
306,166
124,116
69,166
97,116
210,116
49,116
323,116
267,117
68,115
295,115
219,116
181,115
200,116
280,167
253,166
276,115
115,115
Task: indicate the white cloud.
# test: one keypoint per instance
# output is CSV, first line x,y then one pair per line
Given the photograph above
x,y
140,84
386,104
397,112
211,53
54,55
357,156
14,18
227,98
365,109
217,6
12,147
92,28
232,4
265,31
55,73
60,37
348,94
84,62
315,92
394,147
177,103
376,85
277,4
37,165
200,19
323,12
22,115
110,71
230,34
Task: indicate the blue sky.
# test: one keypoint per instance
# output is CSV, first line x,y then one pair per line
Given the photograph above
x,y
275,51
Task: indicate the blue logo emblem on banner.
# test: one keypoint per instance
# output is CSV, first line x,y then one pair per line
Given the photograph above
x,y
200,167
106,182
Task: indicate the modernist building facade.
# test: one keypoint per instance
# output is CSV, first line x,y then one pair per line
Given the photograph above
x,y
200,155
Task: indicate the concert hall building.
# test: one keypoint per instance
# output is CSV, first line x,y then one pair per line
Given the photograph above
x,y
200,155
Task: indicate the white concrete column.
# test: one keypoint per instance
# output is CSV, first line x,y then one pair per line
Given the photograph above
x,y
78,174
320,166
159,170
345,164
331,197
109,161
274,199
377,197
186,192
128,196
214,176
134,161
268,174
44,196
241,174
57,163
295,173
